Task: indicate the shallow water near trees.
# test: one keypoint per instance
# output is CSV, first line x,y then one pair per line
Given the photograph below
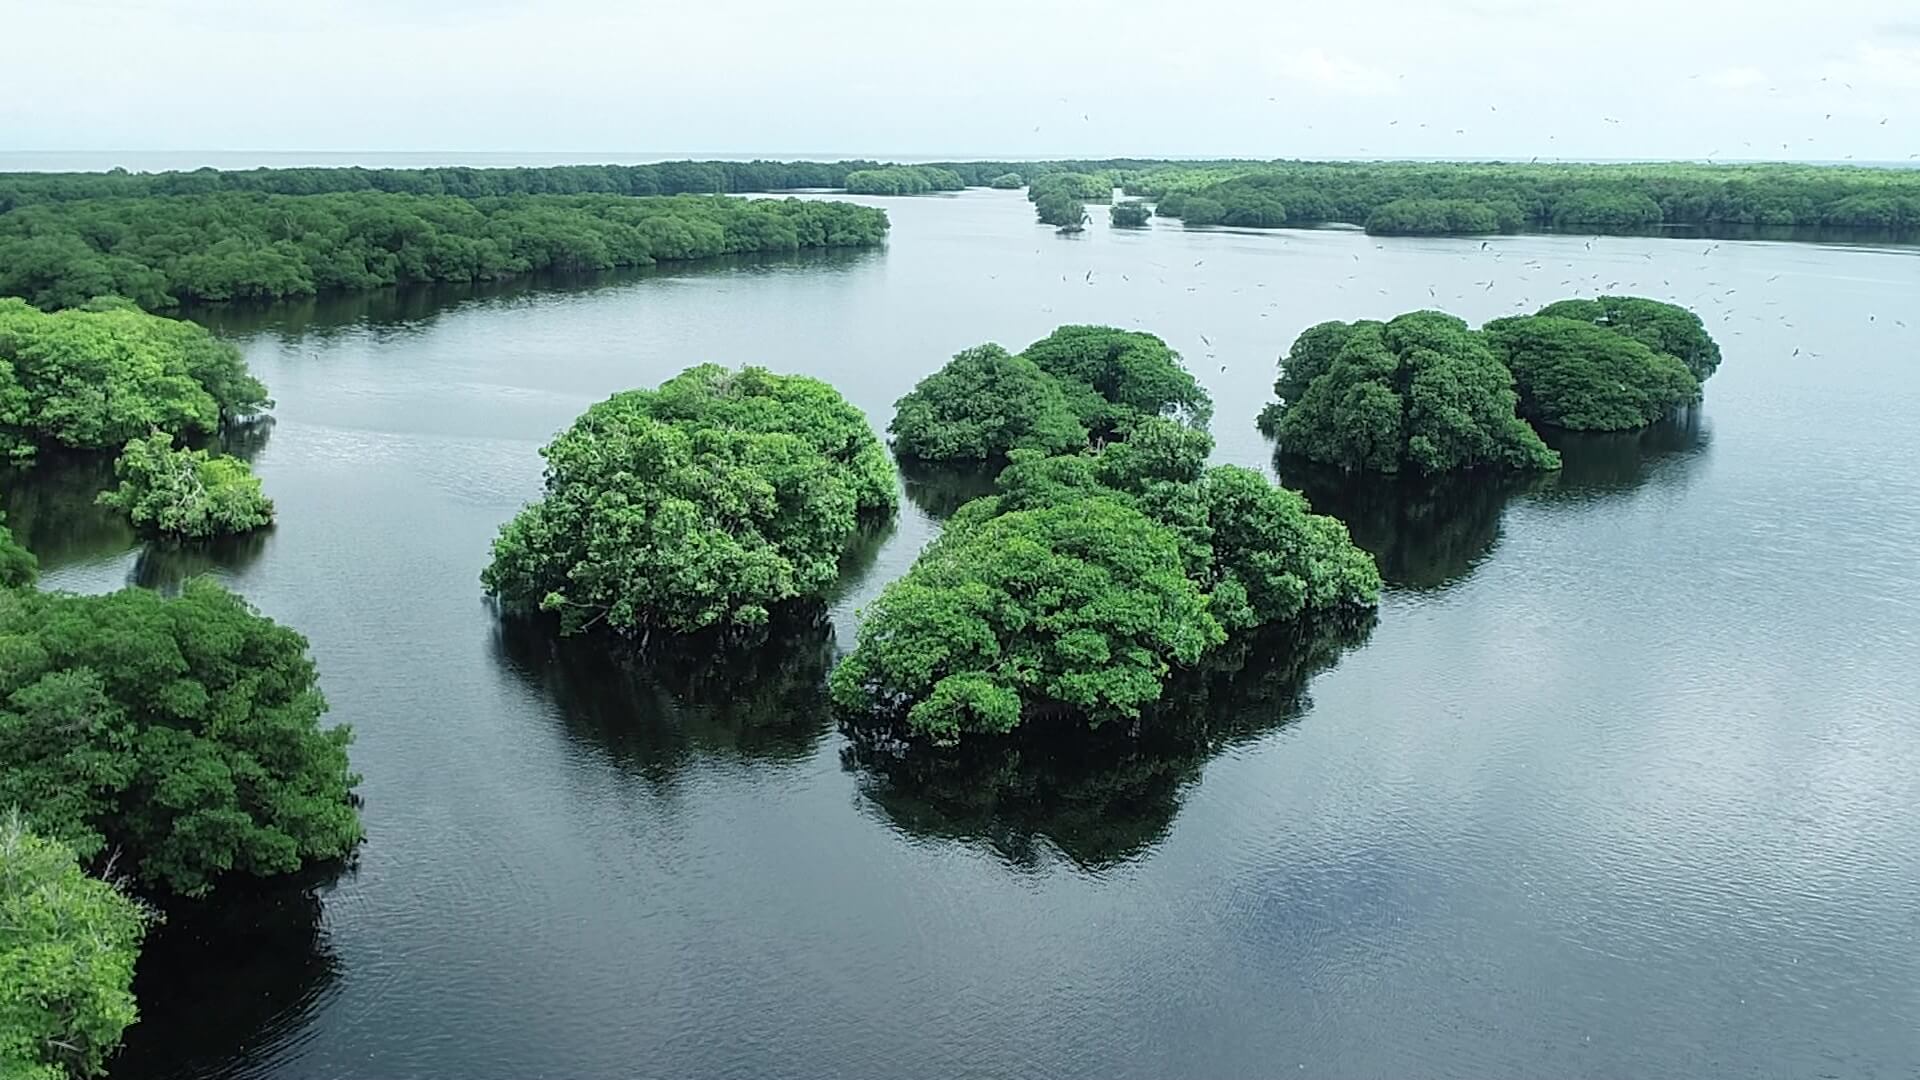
x,y
1622,781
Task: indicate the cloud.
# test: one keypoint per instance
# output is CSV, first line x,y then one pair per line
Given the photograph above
x,y
1338,74
1737,78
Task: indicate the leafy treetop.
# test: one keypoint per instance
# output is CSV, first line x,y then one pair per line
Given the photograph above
x,y
183,732
1422,392
1577,375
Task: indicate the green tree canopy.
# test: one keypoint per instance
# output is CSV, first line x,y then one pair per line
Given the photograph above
x,y
1056,594
1009,181
186,493
1577,375
902,180
984,403
185,733
163,250
1421,392
67,948
700,504
1662,327
17,565
1129,215
1082,606
1057,208
1117,378
95,377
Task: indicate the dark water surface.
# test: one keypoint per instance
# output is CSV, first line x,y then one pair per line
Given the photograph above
x,y
1624,781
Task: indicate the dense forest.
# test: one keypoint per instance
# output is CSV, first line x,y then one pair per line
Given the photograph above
x,y
95,377
710,502
903,180
1417,198
160,251
663,178
1425,393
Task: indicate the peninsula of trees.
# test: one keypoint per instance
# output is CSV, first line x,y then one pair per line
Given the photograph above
x,y
1436,198
705,504
1076,386
164,250
1425,393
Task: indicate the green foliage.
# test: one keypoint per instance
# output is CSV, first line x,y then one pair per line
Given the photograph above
x,y
18,567
1082,606
1432,217
1010,181
1422,391
161,250
1436,197
1083,187
1065,211
660,178
1116,378
94,377
1098,797
1129,215
186,493
1056,594
67,948
701,504
1664,328
902,180
185,733
1577,375
1199,210
983,404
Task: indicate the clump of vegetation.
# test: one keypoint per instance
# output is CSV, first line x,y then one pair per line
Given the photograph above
x,y
1086,187
1578,375
178,492
902,180
1076,386
984,404
96,376
18,567
68,943
183,733
1145,561
1436,197
1064,211
702,504
163,250
1664,328
1434,217
1008,181
1116,378
1129,215
1422,392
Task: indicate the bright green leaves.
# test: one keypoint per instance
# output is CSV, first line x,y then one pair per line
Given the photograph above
x,y
984,404
1083,605
161,250
1664,328
1589,377
1076,384
186,493
703,504
1421,392
68,943
1086,581
96,377
185,732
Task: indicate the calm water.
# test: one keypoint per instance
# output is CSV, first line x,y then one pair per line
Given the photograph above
x,y
1623,781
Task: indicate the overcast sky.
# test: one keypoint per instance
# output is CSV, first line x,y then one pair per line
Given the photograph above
x,y
974,78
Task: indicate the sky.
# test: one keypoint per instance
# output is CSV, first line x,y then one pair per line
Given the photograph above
x,y
1511,79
